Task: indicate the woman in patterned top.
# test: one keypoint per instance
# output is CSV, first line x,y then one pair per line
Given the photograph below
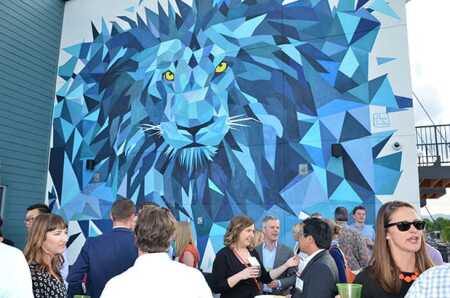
x,y
46,243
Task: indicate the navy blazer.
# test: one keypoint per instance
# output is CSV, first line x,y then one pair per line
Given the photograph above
x,y
320,277
102,258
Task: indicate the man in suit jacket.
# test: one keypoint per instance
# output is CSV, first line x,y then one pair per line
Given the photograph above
x,y
274,254
107,255
320,275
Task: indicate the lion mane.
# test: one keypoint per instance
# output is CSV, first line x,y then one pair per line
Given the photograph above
x,y
205,108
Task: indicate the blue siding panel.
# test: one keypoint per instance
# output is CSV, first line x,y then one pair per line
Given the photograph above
x,y
29,50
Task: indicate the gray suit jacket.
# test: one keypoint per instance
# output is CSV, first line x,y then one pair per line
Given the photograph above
x,y
319,278
282,254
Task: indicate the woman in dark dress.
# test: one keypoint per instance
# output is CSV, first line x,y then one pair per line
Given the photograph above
x,y
237,269
399,254
45,245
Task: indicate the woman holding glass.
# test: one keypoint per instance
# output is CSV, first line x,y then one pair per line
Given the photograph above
x,y
399,254
44,249
237,269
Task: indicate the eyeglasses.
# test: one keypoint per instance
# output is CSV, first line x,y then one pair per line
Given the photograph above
x,y
29,219
404,226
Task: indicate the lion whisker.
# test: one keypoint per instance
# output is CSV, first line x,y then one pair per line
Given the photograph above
x,y
154,129
243,119
236,121
235,116
237,124
150,127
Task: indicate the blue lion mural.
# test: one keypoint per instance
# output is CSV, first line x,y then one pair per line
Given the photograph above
x,y
210,109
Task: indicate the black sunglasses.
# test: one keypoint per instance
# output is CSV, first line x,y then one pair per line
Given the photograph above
x,y
404,226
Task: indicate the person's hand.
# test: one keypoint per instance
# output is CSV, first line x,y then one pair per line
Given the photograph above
x,y
337,296
293,261
249,272
273,284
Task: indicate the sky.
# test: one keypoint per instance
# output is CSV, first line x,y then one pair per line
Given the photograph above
x,y
429,48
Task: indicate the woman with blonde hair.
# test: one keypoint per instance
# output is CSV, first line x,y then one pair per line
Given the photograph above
x,y
345,274
399,254
186,252
237,269
45,245
258,239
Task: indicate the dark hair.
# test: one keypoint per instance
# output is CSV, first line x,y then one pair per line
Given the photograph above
x,y
123,209
319,230
341,214
360,207
316,215
43,209
154,229
235,227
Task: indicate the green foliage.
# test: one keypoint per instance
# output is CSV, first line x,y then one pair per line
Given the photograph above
x,y
445,233
440,224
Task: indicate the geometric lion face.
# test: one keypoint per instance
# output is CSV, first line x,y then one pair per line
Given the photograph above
x,y
195,86
210,109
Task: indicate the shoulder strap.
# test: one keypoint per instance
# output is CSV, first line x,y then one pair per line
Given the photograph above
x,y
239,257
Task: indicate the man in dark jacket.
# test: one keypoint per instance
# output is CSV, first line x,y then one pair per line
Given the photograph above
x,y
319,277
107,255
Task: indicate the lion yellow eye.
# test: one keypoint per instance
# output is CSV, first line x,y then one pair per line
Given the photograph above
x,y
169,76
221,67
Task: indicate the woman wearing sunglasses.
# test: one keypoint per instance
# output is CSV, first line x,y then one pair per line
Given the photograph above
x,y
399,254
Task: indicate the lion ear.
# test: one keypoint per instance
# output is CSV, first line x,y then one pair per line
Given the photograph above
x,y
239,28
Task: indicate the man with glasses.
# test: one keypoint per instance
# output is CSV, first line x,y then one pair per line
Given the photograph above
x,y
107,255
32,212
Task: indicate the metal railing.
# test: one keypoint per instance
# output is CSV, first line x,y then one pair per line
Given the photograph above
x,y
433,145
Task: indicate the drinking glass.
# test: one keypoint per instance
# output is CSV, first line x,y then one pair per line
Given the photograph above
x,y
349,290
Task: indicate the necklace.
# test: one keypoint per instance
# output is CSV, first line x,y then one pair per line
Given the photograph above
x,y
409,278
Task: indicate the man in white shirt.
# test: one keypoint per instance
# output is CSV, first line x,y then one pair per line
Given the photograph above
x,y
15,276
154,274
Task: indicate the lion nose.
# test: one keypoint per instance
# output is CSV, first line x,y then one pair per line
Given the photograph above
x,y
193,130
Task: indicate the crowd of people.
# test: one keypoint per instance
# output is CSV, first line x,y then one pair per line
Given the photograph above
x,y
149,254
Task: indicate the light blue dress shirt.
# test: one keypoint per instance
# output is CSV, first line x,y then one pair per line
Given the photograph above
x,y
268,257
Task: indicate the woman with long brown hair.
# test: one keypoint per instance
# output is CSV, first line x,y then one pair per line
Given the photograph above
x,y
237,269
186,252
45,245
399,254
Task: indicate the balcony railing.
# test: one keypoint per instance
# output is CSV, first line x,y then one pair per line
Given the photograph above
x,y
433,145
